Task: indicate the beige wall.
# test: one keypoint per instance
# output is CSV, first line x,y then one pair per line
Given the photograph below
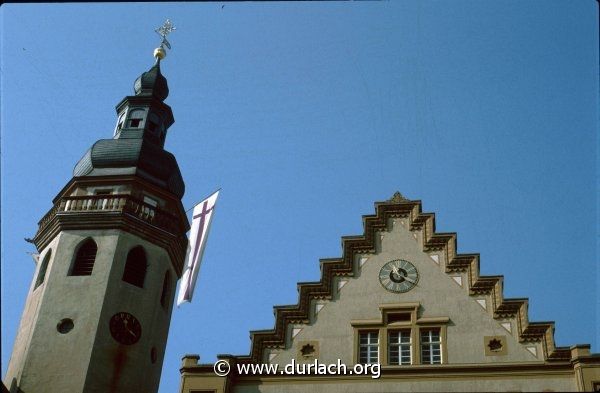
x,y
28,318
86,356
137,371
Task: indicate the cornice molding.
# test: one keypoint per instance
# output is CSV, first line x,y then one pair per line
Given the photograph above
x,y
174,245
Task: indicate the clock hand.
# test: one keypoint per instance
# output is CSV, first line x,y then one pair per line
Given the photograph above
x,y
409,280
126,323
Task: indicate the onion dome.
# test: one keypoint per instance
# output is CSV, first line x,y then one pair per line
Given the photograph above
x,y
152,83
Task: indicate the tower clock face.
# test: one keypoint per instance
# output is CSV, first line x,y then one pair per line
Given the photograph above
x,y
125,328
398,276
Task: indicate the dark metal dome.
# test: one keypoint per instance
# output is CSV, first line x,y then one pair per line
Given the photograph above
x,y
132,157
152,83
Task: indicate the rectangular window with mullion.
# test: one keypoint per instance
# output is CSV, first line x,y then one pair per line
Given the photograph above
x,y
431,346
399,347
368,347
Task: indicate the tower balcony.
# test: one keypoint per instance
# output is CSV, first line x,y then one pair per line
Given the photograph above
x,y
115,211
111,204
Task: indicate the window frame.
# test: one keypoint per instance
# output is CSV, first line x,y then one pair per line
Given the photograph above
x,y
369,346
120,123
42,271
78,249
430,345
130,267
136,115
150,205
154,124
400,345
165,292
414,324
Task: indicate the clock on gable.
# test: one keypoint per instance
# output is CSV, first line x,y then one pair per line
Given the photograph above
x,y
398,276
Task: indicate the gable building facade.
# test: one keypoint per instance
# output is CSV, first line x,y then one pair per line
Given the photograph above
x,y
401,299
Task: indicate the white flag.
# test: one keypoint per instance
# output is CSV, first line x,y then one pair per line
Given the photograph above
x,y
201,218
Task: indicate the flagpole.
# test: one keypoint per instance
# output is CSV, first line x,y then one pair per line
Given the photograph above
x,y
217,190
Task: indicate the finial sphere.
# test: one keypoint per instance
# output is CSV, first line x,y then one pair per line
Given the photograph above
x,y
160,53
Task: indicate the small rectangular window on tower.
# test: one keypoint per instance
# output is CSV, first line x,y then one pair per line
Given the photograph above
x,y
150,201
149,207
103,203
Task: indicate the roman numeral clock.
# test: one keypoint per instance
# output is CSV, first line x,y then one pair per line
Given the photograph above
x,y
398,276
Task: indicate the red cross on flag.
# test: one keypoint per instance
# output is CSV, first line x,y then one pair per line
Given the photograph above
x,y
201,218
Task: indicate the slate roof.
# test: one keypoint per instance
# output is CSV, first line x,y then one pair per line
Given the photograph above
x,y
132,156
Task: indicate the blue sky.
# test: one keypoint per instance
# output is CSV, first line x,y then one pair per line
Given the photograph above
x,y
307,113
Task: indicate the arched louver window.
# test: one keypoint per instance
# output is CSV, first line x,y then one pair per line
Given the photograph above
x,y
136,118
120,122
84,261
135,267
154,123
42,272
166,291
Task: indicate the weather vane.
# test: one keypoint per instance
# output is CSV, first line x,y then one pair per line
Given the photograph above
x,y
163,31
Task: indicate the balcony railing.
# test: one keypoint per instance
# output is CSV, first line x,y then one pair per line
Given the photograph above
x,y
123,203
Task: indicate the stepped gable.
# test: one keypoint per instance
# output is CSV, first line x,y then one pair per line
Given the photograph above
x,y
400,207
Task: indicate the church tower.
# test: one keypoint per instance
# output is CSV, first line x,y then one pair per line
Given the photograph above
x,y
111,249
